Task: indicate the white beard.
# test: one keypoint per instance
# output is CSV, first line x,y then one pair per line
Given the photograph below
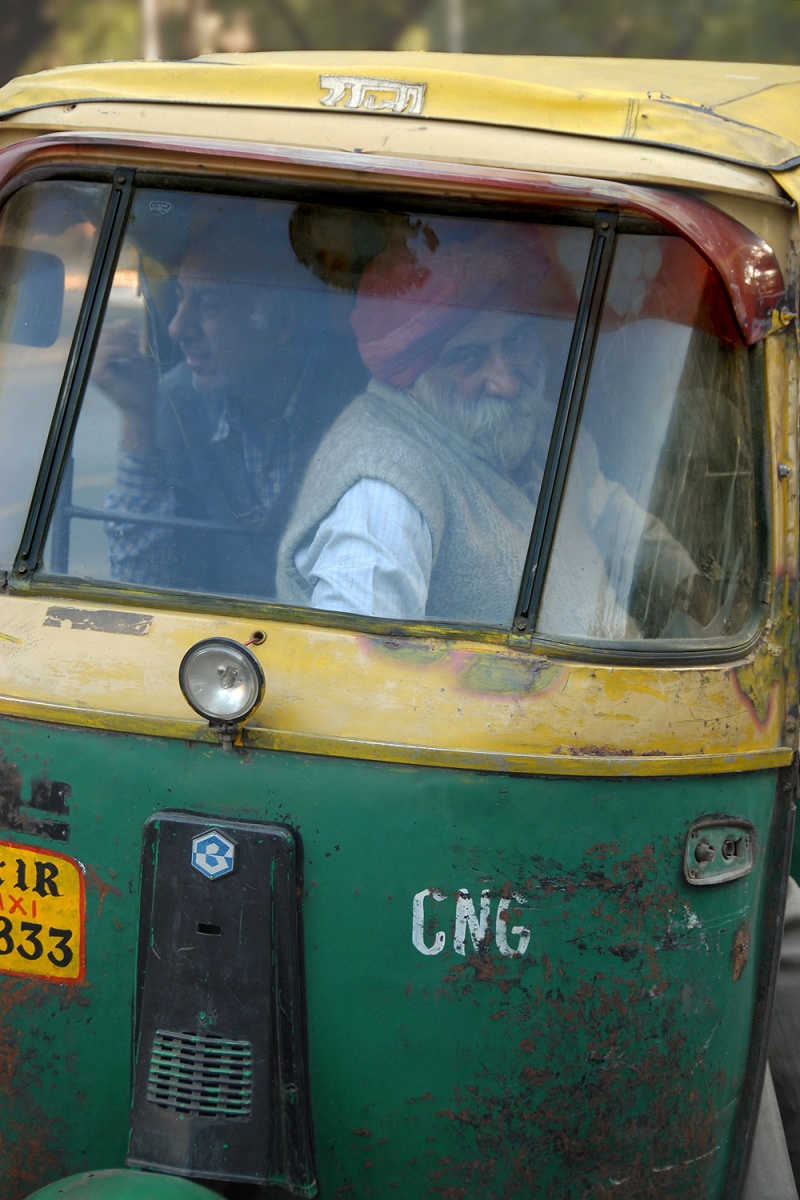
x,y
503,429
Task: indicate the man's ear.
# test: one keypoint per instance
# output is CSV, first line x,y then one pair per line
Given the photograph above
x,y
275,316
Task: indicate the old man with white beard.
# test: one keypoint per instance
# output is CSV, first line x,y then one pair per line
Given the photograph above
x,y
420,501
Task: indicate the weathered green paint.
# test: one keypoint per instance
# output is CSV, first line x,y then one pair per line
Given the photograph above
x,y
123,1185
509,677
614,1049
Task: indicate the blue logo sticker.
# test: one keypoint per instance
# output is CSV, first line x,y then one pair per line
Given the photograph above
x,y
213,854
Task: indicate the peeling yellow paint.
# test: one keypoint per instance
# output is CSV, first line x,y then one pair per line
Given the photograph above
x,y
617,686
438,697
402,699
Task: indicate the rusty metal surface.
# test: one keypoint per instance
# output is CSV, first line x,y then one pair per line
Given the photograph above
x,y
510,984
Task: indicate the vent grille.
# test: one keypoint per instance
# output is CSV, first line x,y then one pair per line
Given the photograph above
x,y
201,1074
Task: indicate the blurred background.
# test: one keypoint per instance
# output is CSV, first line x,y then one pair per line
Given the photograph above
x,y
35,34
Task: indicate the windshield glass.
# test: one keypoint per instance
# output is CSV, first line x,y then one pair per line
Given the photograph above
x,y
658,531
351,410
48,233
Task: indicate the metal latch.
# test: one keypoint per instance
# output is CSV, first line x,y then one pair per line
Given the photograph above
x,y
718,850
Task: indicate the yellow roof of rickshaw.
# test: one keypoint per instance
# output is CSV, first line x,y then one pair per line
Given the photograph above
x,y
739,112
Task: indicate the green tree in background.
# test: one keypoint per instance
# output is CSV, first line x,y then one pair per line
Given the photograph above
x,y
42,33
734,30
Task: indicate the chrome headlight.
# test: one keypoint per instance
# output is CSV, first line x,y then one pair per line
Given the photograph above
x,y
222,680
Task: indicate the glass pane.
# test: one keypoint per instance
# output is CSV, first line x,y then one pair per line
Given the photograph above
x,y
335,408
48,233
657,537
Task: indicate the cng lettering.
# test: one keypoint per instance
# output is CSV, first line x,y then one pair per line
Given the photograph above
x,y
491,922
42,914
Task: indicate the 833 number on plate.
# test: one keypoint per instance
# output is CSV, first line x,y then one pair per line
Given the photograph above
x,y
41,914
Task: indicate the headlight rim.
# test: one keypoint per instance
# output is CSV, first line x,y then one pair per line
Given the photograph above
x,y
245,655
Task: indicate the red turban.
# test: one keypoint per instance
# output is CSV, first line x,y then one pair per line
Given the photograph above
x,y
413,299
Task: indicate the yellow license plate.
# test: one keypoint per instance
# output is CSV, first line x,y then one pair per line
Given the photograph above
x,y
41,914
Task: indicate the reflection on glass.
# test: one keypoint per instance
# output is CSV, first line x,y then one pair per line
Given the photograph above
x,y
420,501
220,362
48,232
292,422
662,478
351,411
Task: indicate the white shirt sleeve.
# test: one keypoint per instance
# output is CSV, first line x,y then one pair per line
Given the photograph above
x,y
372,554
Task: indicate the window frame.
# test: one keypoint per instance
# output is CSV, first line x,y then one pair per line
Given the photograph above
x,y
336,177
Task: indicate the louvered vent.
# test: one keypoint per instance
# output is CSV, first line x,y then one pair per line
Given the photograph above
x,y
201,1074
232,1108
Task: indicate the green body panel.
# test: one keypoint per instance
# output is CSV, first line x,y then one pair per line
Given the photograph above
x,y
123,1185
615,1048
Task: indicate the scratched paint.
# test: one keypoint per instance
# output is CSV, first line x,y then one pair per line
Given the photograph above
x,y
405,650
573,1124
758,684
400,698
32,809
30,1131
502,676
740,950
100,620
522,951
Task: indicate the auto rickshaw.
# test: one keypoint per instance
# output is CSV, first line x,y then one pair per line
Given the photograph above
x,y
477,898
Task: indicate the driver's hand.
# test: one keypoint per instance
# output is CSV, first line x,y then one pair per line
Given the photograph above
x,y
129,379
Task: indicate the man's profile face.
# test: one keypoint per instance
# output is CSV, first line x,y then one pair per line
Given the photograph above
x,y
486,385
224,325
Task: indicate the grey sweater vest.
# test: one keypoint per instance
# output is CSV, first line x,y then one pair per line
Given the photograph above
x,y
480,521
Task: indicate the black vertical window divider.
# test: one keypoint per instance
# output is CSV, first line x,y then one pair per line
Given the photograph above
x,y
73,385
568,411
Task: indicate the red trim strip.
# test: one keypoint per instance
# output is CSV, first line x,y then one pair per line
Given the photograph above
x,y
747,266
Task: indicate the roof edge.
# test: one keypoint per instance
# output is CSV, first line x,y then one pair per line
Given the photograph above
x,y
453,94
